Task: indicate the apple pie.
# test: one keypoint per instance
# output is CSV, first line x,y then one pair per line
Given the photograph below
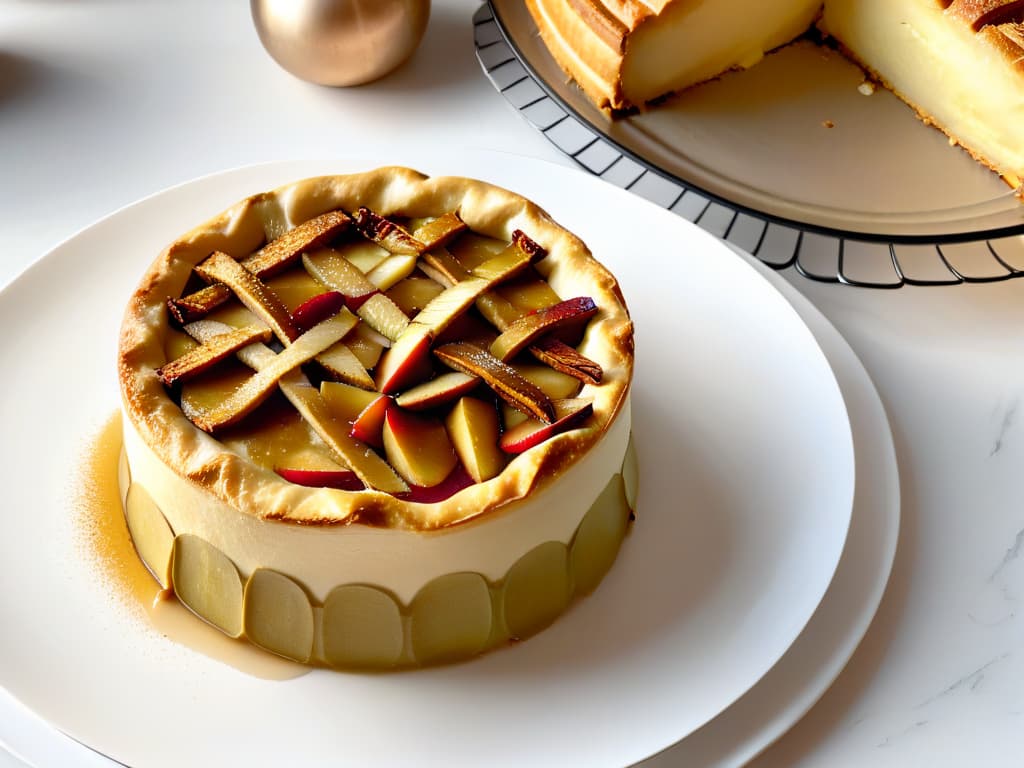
x,y
957,63
378,420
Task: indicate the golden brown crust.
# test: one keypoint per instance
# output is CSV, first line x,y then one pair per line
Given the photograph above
x,y
981,13
1000,23
589,46
608,27
245,227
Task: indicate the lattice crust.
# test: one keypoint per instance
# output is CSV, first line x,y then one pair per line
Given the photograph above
x,y
434,304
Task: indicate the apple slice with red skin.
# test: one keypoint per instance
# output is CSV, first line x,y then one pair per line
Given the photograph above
x,y
355,303
457,479
523,331
362,409
407,362
438,391
333,270
569,414
342,479
368,426
315,310
417,447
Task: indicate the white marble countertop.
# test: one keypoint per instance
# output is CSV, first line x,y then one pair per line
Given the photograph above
x,y
102,103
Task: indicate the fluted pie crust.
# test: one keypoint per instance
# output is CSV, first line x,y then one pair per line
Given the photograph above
x,y
367,579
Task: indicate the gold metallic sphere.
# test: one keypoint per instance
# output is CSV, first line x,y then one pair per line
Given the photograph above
x,y
340,42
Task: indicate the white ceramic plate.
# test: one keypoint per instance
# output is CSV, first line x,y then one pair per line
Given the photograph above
x,y
746,494
828,641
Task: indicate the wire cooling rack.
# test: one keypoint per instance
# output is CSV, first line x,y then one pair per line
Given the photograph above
x,y
818,253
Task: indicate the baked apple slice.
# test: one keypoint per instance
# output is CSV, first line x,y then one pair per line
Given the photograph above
x,y
367,345
519,334
368,426
554,384
499,376
218,267
273,258
570,413
474,430
417,447
205,356
337,273
438,391
345,401
363,410
386,233
342,479
317,309
392,271
414,293
407,361
529,293
437,233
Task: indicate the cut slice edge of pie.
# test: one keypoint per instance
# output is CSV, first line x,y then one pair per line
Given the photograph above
x,y
959,64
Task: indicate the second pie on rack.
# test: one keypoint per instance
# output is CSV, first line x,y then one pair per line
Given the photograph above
x,y
958,63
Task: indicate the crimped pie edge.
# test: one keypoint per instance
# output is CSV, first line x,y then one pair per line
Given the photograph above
x,y
390,191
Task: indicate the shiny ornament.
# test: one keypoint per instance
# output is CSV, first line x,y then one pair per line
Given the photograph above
x,y
340,42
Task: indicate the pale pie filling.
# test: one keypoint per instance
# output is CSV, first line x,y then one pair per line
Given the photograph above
x,y
692,42
941,68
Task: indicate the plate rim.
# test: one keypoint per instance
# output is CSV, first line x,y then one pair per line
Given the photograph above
x,y
866,396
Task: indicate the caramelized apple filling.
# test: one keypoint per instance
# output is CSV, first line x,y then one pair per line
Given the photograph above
x,y
413,357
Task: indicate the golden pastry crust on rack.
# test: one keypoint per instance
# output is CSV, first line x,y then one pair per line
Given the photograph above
x,y
958,63
626,53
